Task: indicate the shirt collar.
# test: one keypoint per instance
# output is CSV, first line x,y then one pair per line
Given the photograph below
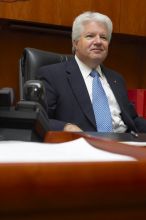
x,y
85,70
98,69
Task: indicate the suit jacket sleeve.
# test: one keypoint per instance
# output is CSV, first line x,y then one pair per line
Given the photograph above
x,y
51,97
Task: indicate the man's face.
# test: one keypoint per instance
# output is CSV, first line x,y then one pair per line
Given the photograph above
x,y
92,46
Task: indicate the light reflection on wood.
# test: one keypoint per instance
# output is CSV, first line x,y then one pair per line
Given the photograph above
x,y
11,1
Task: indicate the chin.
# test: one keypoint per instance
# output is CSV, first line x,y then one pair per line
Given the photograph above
x,y
99,57
95,57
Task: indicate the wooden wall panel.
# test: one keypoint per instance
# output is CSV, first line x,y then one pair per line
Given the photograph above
x,y
71,8
58,12
128,17
111,8
12,44
127,55
42,11
133,17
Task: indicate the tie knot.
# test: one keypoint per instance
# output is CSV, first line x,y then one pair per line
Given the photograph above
x,y
94,73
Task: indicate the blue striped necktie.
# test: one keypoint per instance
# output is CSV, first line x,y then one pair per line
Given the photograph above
x,y
100,105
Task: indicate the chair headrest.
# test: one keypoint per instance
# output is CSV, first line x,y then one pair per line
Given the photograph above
x,y
33,58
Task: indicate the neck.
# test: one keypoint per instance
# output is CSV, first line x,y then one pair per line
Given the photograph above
x,y
90,63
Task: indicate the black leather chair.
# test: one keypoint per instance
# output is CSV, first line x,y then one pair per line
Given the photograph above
x,y
32,59
28,120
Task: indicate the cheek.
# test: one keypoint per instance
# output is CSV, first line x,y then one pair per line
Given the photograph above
x,y
83,45
86,45
106,46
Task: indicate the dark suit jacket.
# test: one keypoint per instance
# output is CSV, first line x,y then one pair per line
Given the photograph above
x,y
68,101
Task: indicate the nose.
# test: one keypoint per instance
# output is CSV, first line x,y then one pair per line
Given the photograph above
x,y
97,39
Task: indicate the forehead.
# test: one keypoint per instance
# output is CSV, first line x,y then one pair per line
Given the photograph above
x,y
94,26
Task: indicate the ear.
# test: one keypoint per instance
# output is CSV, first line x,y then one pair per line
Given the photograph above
x,y
75,44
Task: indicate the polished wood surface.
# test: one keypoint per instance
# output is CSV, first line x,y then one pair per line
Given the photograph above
x,y
129,17
93,190
15,38
110,8
58,12
73,191
127,55
133,17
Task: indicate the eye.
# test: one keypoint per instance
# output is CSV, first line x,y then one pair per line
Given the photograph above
x,y
104,37
89,36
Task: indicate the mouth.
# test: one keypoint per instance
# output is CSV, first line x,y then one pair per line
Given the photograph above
x,y
97,50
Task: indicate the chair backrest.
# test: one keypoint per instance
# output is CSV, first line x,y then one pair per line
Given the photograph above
x,y
32,59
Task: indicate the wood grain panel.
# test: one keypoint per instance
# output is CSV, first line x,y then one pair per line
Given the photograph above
x,y
128,17
133,17
12,44
111,8
71,9
60,12
69,191
127,55
43,11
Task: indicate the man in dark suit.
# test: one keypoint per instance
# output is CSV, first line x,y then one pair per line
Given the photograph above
x,y
69,94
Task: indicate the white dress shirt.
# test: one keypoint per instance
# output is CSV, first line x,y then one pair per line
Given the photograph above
x,y
117,122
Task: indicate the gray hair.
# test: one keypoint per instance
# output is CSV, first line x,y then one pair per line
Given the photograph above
x,y
78,24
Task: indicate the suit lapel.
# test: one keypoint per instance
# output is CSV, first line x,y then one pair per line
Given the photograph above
x,y
114,85
79,90
116,88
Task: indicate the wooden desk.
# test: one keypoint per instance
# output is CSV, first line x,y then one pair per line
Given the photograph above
x,y
67,191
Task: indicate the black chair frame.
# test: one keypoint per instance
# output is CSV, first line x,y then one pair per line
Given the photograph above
x,y
32,59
